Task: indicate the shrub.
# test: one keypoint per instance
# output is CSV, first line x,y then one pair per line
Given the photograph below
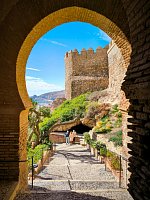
x,y
93,143
118,123
103,126
34,137
119,114
114,109
49,143
36,153
117,139
87,138
98,145
68,110
101,147
103,150
114,159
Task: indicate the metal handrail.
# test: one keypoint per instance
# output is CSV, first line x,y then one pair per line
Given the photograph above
x,y
126,159
120,164
32,165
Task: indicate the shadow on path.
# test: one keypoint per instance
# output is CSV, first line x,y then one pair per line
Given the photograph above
x,y
57,195
82,158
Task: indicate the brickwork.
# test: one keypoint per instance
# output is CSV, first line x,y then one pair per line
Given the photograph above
x,y
23,22
87,71
136,87
9,143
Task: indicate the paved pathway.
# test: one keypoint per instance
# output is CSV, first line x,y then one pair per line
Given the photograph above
x,y
73,174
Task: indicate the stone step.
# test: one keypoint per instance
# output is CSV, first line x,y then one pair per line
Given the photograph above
x,y
75,184
93,185
54,185
113,194
82,171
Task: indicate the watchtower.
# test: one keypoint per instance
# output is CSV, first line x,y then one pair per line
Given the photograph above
x,y
86,71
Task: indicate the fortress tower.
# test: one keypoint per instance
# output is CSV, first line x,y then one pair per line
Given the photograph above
x,y
87,71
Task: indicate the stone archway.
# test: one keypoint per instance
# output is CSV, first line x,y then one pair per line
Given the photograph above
x,y
59,17
19,17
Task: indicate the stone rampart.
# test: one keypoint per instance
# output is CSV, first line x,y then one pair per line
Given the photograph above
x,y
86,71
117,69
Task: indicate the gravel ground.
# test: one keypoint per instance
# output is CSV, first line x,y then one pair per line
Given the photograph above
x,y
72,173
71,195
5,186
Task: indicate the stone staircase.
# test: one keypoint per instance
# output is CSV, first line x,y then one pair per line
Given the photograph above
x,y
75,189
73,175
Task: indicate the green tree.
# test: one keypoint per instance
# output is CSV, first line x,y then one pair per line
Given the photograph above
x,y
45,111
36,115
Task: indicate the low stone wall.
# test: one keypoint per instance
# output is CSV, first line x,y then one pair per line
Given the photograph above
x,y
46,155
57,137
114,172
60,138
118,150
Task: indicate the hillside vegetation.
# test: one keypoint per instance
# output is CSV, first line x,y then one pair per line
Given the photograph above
x,y
106,117
68,110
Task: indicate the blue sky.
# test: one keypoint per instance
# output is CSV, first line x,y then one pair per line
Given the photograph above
x,y
45,69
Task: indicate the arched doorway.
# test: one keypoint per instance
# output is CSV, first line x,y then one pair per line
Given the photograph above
x,y
51,21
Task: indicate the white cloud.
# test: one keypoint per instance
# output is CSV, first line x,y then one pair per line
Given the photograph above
x,y
33,69
54,42
103,36
37,86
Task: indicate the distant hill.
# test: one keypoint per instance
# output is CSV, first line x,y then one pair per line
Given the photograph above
x,y
48,97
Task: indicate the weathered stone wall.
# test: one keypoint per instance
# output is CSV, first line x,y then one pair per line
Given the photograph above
x,y
117,68
57,137
86,72
83,84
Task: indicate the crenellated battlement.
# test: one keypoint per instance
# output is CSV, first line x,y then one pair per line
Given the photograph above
x,y
85,53
86,71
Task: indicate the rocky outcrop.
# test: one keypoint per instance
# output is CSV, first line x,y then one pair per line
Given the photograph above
x,y
88,122
104,96
64,126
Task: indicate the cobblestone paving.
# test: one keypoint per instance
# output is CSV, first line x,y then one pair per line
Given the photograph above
x,y
72,173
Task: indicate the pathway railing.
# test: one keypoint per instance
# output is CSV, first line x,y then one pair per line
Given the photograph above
x,y
32,165
121,162
119,159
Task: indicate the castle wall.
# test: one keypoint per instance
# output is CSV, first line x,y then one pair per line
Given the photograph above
x,y
68,75
87,71
117,69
